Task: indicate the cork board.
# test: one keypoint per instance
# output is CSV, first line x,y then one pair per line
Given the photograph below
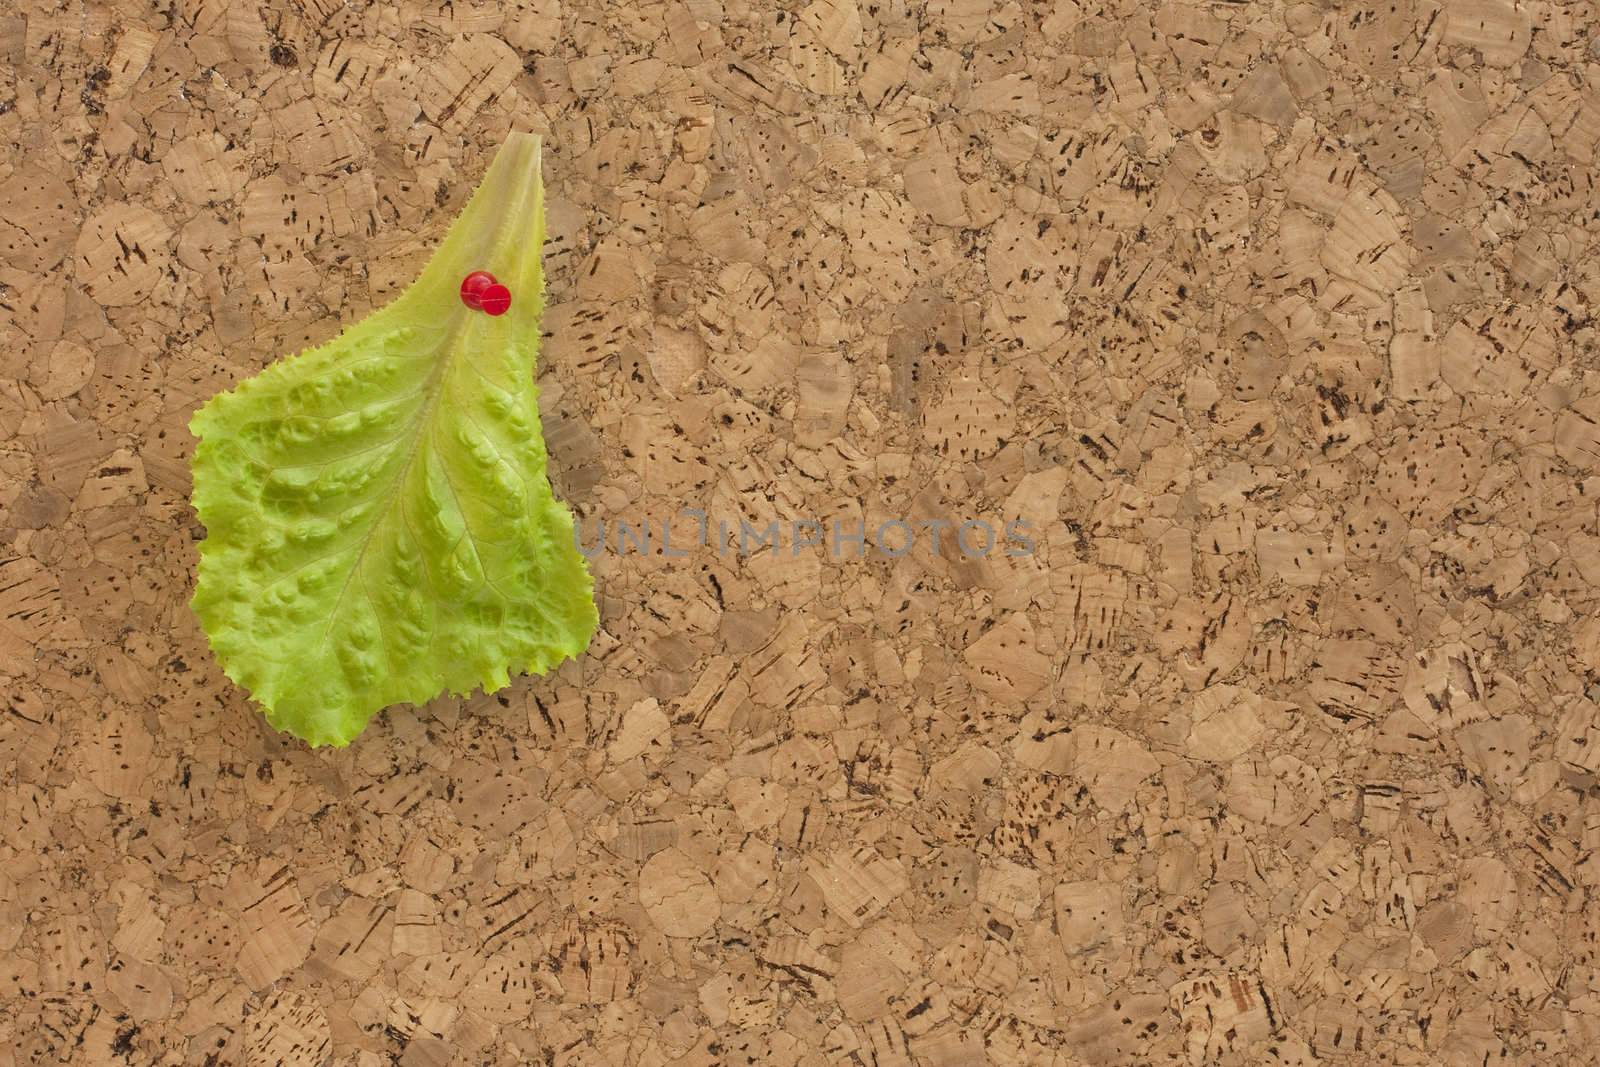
x,y
1272,321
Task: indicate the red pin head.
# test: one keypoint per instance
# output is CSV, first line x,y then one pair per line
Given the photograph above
x,y
472,287
495,300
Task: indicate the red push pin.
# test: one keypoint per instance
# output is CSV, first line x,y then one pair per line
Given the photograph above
x,y
480,292
472,287
495,300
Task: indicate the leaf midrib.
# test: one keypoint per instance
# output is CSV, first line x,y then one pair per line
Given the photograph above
x,y
529,192
418,427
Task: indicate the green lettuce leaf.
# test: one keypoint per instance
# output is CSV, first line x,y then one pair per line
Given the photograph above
x,y
379,524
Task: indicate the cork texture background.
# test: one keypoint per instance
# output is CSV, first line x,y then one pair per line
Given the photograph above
x,y
1276,321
